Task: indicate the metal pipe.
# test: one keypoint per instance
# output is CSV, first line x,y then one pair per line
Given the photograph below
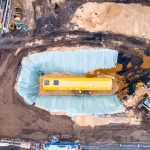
x,y
5,13
8,14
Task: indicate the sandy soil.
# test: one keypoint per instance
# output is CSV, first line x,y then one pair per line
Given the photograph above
x,y
42,92
129,118
128,19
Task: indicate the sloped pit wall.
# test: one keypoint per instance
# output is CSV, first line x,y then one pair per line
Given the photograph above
x,y
78,61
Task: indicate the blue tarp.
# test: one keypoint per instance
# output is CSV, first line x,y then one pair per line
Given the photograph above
x,y
80,105
77,62
62,146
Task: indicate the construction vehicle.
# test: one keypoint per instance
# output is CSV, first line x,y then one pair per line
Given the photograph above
x,y
17,24
18,14
146,91
77,84
140,92
139,84
62,146
12,27
56,143
25,29
84,92
146,104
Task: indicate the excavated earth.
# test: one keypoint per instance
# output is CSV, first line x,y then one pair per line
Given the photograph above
x,y
114,17
17,119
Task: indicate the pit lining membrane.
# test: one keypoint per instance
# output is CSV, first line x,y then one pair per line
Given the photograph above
x,y
79,61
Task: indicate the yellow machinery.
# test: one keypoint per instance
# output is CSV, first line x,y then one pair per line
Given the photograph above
x,y
139,84
76,84
12,26
18,14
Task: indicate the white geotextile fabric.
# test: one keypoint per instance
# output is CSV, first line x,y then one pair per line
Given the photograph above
x,y
79,61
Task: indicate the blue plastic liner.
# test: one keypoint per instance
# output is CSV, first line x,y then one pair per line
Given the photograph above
x,y
79,61
61,146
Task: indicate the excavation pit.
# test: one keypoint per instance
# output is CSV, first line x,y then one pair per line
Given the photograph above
x,y
79,62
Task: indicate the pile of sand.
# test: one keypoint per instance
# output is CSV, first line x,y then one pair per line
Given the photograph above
x,y
128,19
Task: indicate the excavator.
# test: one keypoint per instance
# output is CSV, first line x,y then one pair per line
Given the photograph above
x,y
141,97
55,143
147,88
18,14
17,24
146,104
146,101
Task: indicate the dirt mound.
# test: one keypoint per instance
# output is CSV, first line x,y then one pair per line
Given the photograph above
x,y
128,19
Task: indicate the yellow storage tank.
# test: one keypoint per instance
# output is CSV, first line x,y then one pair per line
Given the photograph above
x,y
83,84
